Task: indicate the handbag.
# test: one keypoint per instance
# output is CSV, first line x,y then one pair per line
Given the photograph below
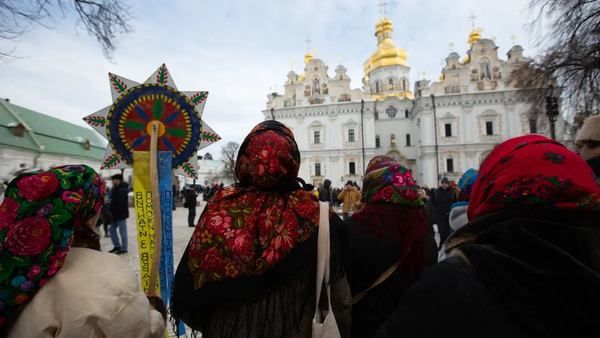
x,y
382,278
324,324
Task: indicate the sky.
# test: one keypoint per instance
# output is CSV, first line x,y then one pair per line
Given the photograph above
x,y
240,50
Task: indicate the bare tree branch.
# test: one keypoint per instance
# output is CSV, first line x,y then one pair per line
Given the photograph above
x,y
103,19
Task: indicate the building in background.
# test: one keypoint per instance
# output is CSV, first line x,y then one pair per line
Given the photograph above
x,y
339,129
31,140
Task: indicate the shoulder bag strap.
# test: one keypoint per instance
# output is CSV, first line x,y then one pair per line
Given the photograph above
x,y
382,278
322,256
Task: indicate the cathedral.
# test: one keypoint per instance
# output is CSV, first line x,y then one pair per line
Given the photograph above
x,y
437,129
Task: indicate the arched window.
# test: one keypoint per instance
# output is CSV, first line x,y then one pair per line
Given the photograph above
x,y
377,141
377,87
404,86
484,69
391,111
316,86
390,84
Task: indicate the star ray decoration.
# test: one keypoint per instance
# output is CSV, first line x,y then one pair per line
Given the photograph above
x,y
126,123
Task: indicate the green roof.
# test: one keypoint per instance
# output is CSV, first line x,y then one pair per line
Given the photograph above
x,y
47,134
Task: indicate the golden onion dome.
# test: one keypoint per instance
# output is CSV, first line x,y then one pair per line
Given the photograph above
x,y
386,54
308,57
474,36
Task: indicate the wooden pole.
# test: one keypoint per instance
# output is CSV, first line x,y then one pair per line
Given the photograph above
x,y
152,288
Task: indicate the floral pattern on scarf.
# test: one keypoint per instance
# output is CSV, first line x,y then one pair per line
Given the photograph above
x,y
533,170
248,228
38,217
388,181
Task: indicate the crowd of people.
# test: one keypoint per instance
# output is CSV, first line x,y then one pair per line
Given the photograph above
x,y
510,250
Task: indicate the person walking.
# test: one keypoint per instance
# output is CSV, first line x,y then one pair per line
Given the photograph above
x,y
191,201
388,245
119,208
325,192
526,264
55,280
588,143
349,198
249,268
441,201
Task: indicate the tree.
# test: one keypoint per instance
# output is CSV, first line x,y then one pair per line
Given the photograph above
x,y
570,62
102,19
229,152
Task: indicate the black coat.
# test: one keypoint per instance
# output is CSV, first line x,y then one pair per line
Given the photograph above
x,y
368,256
190,196
449,301
441,201
119,202
531,272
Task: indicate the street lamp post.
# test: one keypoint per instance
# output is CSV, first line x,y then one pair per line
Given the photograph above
x,y
552,112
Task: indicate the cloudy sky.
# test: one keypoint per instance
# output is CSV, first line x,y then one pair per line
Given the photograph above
x,y
240,50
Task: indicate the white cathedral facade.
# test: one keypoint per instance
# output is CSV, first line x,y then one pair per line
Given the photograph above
x,y
339,129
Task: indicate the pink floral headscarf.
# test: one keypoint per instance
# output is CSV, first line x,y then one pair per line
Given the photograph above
x,y
38,217
388,181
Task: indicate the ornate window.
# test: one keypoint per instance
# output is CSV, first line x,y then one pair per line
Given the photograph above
x,y
390,84
377,142
489,128
449,165
351,137
404,85
391,112
484,70
447,129
352,168
317,137
377,87
533,125
316,86
318,169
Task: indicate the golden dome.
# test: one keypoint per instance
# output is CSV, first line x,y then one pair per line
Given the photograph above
x,y
474,36
387,54
308,57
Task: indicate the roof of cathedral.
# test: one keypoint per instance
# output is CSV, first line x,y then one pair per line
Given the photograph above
x,y
386,54
45,134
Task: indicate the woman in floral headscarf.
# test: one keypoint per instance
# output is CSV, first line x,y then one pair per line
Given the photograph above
x,y
54,281
250,267
390,231
527,264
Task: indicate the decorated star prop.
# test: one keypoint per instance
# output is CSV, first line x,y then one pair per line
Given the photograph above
x,y
126,124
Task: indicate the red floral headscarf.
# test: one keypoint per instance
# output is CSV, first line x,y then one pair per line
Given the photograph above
x,y
533,170
38,218
248,228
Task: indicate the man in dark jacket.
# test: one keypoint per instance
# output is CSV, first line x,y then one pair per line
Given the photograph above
x,y
588,143
325,192
190,196
119,208
441,200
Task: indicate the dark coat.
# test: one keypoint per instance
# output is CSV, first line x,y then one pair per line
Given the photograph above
x,y
190,196
119,202
325,192
449,301
367,257
279,303
441,200
531,272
